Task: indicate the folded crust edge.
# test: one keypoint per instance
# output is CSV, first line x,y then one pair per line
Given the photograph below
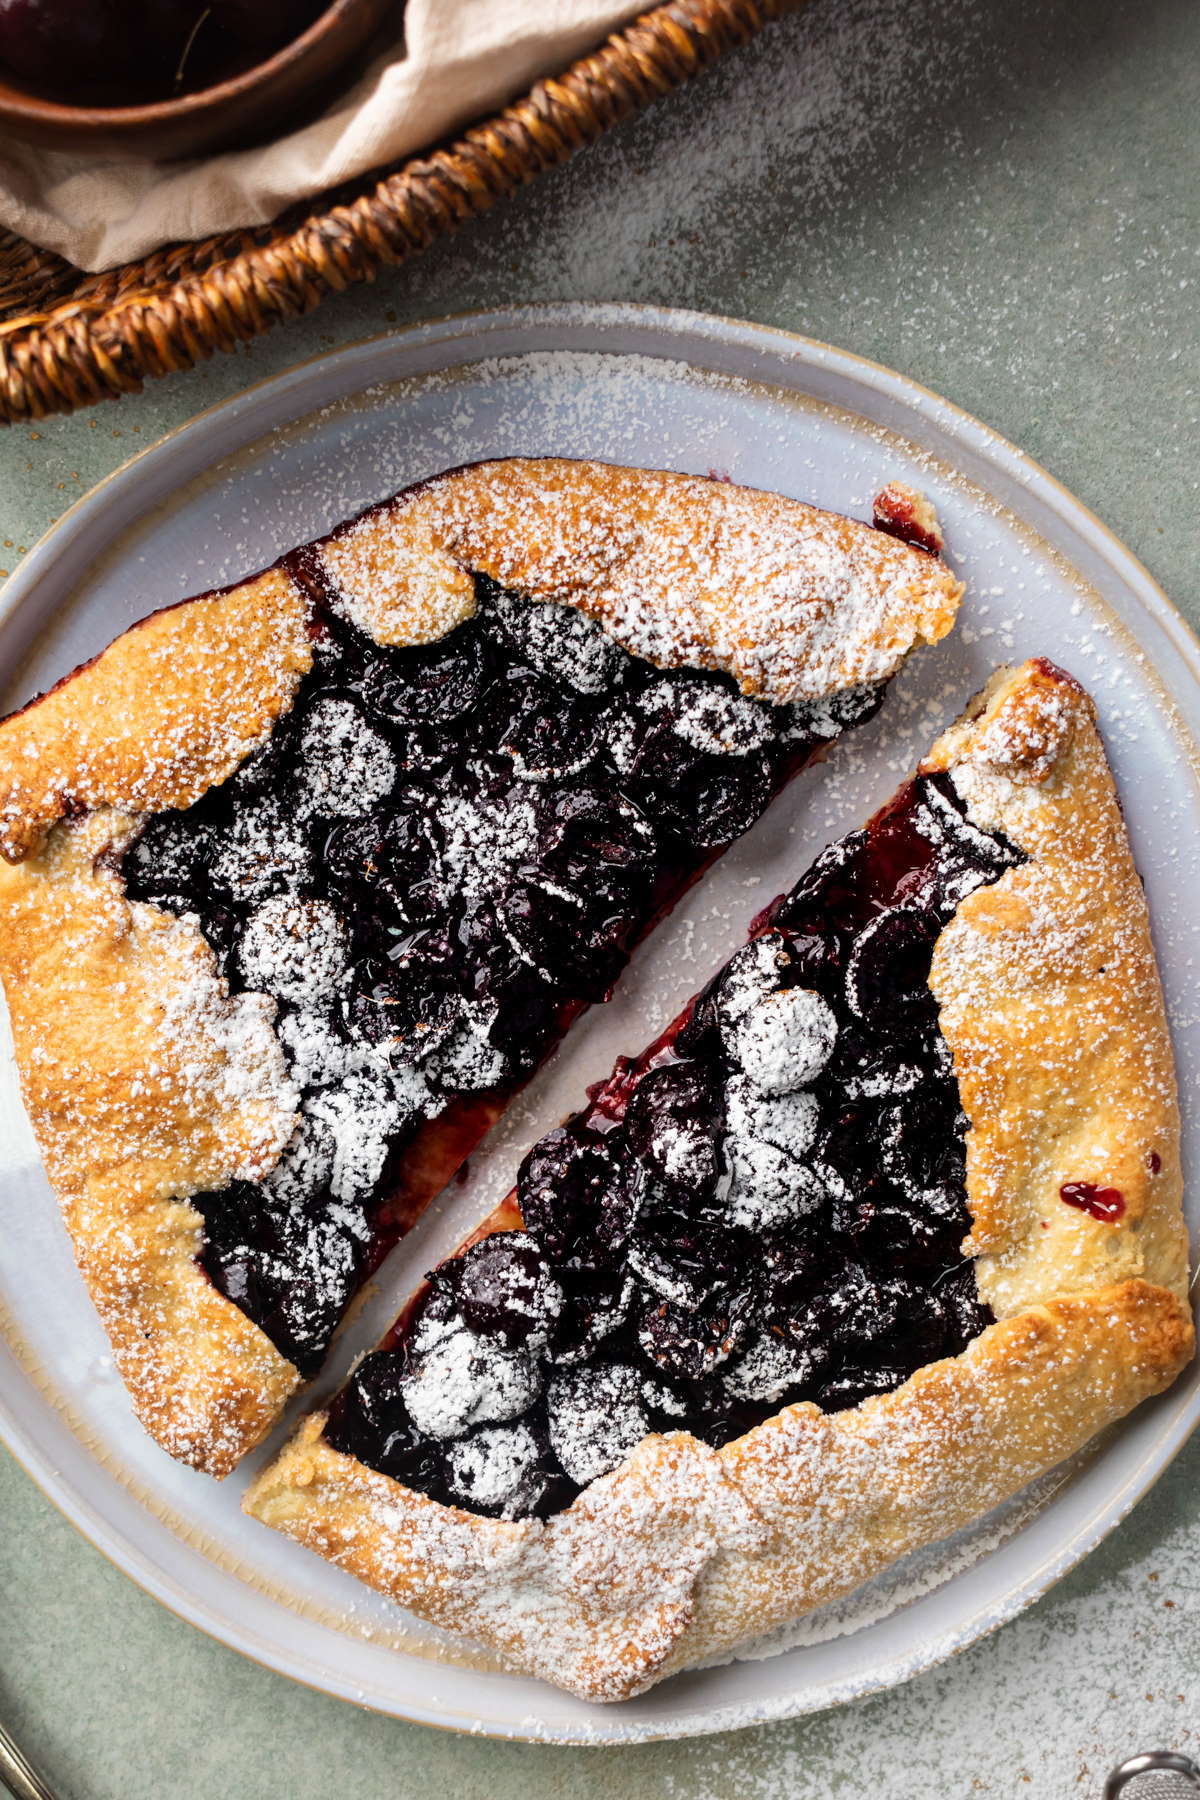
x,y
684,1553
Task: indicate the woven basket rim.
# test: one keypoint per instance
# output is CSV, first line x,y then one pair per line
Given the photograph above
x,y
96,337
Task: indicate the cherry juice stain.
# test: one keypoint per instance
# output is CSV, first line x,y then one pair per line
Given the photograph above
x,y
1104,1203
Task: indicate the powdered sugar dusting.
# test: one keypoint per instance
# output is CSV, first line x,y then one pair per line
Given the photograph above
x,y
221,1052
464,1380
485,837
795,1505
363,1114
783,1040
491,1468
840,111
295,950
265,845
596,1419
793,602
349,767
789,1120
560,642
83,745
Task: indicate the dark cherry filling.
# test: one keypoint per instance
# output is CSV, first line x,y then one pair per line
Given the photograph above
x,y
767,1206
436,859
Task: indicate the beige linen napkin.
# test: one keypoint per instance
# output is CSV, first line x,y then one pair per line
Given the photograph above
x,y
459,59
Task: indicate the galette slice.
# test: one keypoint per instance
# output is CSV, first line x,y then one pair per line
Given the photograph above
x,y
884,1225
308,875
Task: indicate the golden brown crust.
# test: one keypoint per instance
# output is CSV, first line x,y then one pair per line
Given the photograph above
x,y
1051,1003
683,1553
145,1083
166,712
792,601
846,1495
132,1115
797,603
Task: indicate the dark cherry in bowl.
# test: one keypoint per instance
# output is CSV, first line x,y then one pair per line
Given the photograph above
x,y
243,108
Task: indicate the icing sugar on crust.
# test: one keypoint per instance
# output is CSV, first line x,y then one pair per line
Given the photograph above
x,y
791,601
794,602
1052,1009
1051,1003
684,1552
167,711
145,1082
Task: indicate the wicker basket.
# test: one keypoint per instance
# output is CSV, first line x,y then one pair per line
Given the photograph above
x,y
68,339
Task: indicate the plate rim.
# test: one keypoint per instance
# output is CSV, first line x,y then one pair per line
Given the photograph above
x,y
994,450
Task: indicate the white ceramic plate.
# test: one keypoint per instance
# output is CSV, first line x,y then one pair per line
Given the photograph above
x,y
283,462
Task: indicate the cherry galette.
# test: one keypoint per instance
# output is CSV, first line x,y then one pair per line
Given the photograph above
x,y
306,876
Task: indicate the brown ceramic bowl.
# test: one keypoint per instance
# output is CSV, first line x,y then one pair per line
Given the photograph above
x,y
241,110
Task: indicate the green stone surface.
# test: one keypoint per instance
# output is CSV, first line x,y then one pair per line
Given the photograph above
x,y
999,198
